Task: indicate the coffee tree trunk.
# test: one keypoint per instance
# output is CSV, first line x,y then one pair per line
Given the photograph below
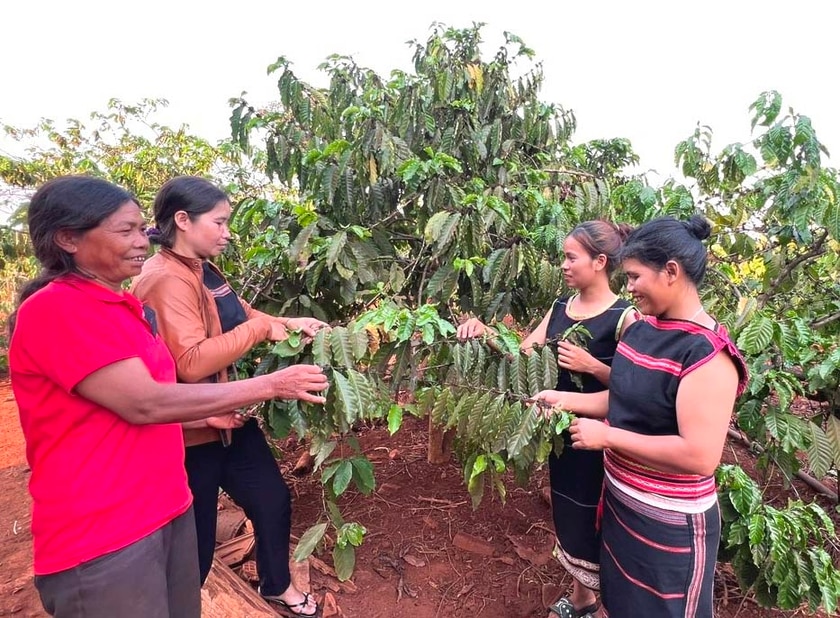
x,y
440,443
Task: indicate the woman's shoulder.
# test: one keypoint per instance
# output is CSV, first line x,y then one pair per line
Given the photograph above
x,y
160,271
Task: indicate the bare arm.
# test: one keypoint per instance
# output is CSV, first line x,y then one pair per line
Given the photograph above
x,y
127,388
593,405
537,337
705,400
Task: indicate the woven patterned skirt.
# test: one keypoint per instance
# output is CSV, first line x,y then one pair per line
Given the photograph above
x,y
656,562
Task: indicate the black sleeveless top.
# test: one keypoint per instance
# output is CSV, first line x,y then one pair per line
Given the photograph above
x,y
231,313
604,327
651,360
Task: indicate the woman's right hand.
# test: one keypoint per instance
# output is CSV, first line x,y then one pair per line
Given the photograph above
x,y
277,331
548,400
470,329
301,382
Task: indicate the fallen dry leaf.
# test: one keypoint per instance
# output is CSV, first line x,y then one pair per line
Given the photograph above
x,y
414,560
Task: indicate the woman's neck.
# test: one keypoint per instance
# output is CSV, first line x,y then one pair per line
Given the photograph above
x,y
596,294
688,307
185,251
590,301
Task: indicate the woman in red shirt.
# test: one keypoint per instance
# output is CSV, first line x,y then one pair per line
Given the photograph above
x,y
112,521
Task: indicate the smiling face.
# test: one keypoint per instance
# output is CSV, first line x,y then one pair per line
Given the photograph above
x,y
114,250
649,287
206,235
580,270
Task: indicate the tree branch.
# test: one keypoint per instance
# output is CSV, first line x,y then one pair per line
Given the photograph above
x,y
817,324
815,251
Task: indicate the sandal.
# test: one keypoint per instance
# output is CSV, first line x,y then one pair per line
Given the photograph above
x,y
290,607
565,609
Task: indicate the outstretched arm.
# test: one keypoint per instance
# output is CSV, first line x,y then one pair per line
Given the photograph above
x,y
593,405
127,388
705,400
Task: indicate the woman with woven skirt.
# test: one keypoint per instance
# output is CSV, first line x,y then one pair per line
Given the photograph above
x,y
673,386
591,255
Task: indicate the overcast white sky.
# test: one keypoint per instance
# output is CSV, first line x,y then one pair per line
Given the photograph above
x,y
648,70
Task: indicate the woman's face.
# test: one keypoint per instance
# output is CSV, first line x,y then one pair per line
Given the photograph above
x,y
648,286
207,235
579,269
114,250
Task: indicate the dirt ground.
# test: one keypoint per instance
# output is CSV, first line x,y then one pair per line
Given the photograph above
x,y
413,561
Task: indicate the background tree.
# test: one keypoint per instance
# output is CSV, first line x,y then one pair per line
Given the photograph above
x,y
452,184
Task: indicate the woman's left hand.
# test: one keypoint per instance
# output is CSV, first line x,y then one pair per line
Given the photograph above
x,y
588,434
574,358
308,326
234,420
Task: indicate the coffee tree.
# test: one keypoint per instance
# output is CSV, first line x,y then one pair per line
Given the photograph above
x,y
453,187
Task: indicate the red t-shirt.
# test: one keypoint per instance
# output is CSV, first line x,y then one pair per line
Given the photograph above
x,y
98,483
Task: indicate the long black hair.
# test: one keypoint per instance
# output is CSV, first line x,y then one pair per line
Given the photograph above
x,y
194,195
67,203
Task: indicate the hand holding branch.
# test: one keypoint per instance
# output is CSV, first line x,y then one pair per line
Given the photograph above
x,y
300,382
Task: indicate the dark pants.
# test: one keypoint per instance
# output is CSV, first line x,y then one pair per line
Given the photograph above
x,y
155,577
247,471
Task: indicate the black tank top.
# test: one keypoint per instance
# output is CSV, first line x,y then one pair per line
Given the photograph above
x,y
604,327
231,313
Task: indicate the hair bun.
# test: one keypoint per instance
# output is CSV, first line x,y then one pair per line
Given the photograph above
x,y
624,230
699,227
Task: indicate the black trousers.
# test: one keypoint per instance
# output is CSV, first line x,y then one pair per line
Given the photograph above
x,y
247,471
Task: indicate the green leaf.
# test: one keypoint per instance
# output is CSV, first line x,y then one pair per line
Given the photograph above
x,y
395,416
476,488
549,362
479,466
343,474
309,541
524,431
832,433
820,456
351,533
535,373
337,243
363,474
344,561
334,513
757,335
342,348
321,449
766,108
321,348
289,347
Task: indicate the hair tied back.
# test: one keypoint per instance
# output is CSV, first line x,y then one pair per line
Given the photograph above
x,y
699,227
153,233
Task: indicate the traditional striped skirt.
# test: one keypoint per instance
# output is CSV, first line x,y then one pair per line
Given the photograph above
x,y
577,477
656,562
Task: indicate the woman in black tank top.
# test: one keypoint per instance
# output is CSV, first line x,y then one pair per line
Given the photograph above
x,y
591,252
